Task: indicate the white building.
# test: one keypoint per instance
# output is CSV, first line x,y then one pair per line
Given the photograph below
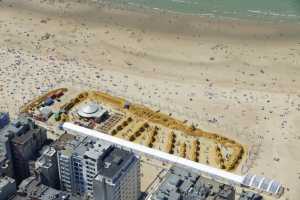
x,y
78,164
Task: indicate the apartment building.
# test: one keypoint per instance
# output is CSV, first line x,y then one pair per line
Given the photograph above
x,y
119,176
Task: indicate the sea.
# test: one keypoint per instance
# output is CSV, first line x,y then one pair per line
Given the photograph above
x,y
278,10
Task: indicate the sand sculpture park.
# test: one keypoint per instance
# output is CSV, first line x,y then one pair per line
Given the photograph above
x,y
139,124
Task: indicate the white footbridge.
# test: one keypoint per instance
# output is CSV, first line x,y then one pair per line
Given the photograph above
x,y
258,183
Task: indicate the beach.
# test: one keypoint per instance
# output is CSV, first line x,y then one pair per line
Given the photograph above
x,y
235,77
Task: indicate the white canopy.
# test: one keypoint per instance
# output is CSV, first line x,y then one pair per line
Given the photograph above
x,y
91,110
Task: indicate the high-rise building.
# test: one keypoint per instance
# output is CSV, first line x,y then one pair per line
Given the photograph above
x,y
79,162
46,168
20,142
8,187
119,176
27,141
65,147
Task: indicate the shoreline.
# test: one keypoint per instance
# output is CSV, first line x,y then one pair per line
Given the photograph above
x,y
266,18
245,27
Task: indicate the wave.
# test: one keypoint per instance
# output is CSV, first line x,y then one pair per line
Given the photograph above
x,y
271,13
179,1
193,7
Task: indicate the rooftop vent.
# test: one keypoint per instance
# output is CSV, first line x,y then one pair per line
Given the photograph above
x,y
107,165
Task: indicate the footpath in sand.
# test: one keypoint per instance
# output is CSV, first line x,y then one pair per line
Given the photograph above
x,y
237,78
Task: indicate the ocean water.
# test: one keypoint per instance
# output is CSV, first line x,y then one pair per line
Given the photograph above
x,y
256,9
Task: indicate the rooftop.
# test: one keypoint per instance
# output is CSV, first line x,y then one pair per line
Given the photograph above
x,y
22,139
248,195
186,185
31,188
114,161
67,143
6,180
95,148
44,160
19,131
81,146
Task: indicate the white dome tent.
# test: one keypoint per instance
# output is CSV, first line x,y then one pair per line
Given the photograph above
x,y
92,110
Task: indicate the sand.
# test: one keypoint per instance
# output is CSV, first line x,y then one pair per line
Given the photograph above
x,y
237,78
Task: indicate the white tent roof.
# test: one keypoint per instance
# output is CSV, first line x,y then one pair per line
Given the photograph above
x,y
91,110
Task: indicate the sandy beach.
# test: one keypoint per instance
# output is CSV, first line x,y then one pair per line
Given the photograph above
x,y
237,78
